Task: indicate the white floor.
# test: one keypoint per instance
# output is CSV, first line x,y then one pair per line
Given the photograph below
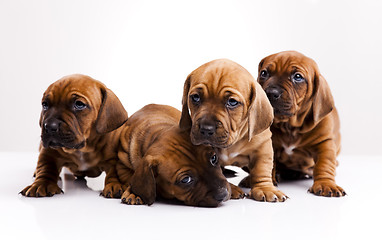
x,y
82,213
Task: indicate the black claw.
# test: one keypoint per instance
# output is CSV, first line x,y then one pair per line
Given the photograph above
x,y
263,199
138,201
123,200
21,193
50,194
329,194
28,195
119,194
62,192
343,193
129,201
108,195
101,194
319,192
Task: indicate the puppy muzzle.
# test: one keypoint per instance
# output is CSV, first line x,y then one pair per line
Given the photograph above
x,y
209,132
53,136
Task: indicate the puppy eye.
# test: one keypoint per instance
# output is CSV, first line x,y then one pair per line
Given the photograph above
x,y
186,180
45,105
195,98
232,103
264,74
78,105
214,160
297,77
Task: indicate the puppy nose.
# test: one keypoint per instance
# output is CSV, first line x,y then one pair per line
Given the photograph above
x,y
207,127
52,126
273,93
221,195
207,130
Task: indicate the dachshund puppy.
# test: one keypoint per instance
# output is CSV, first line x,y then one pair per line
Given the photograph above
x,y
305,131
80,123
226,108
157,157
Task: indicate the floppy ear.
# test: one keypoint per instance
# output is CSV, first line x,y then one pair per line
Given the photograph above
x,y
260,111
112,114
185,122
323,102
261,63
143,182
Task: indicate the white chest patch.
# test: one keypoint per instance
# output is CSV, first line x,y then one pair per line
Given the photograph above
x,y
289,149
226,157
83,166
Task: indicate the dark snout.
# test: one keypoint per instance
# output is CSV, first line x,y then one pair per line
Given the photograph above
x,y
274,93
222,194
217,190
282,103
52,126
55,134
209,131
207,127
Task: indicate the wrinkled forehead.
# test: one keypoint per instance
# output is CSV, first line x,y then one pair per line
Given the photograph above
x,y
74,86
289,62
221,76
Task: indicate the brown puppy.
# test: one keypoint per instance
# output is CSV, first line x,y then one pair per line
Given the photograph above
x,y
226,108
158,157
78,123
306,137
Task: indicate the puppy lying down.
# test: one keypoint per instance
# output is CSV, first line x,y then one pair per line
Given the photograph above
x,y
157,157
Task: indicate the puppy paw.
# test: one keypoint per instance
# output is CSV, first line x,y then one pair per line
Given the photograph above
x,y
326,188
237,192
267,194
130,198
41,189
113,190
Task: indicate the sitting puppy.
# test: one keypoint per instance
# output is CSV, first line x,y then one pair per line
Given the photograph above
x,y
226,108
80,123
306,137
156,156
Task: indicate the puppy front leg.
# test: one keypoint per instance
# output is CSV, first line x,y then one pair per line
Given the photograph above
x,y
261,166
324,171
47,175
113,187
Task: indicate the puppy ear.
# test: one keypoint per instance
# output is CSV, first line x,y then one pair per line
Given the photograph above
x,y
143,182
260,111
112,114
185,122
261,63
323,102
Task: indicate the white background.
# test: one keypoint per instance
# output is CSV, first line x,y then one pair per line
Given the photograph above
x,y
144,50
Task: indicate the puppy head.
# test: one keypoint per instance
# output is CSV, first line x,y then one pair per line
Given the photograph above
x,y
222,103
174,168
294,85
76,108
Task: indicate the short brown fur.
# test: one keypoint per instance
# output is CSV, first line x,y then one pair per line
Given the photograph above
x,y
85,141
306,137
241,132
156,155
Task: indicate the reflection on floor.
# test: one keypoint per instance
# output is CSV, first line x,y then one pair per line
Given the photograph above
x,y
82,213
